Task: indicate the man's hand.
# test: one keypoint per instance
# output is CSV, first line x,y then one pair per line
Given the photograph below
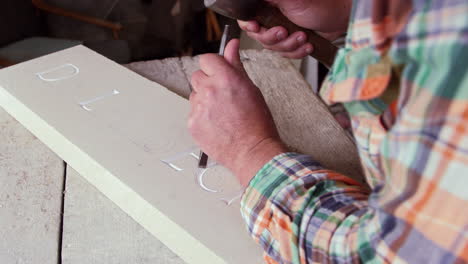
x,y
229,118
327,18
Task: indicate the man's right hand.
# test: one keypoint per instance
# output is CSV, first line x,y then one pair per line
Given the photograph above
x,y
327,18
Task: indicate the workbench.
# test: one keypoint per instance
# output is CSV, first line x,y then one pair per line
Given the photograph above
x,y
50,214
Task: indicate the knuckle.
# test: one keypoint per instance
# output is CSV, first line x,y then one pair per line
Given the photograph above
x,y
292,45
194,79
227,78
190,123
254,36
291,48
276,35
209,92
203,59
192,98
267,39
206,59
242,24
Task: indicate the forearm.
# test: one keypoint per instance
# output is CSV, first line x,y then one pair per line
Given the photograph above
x,y
250,162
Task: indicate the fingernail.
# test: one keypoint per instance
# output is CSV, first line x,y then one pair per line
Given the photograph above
x,y
280,35
251,27
300,39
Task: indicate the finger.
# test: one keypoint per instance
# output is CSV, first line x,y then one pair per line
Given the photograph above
x,y
249,26
196,110
211,64
194,103
197,81
231,54
292,43
192,98
270,36
300,53
195,107
191,120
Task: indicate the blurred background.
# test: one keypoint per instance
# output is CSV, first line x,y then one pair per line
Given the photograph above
x,y
122,30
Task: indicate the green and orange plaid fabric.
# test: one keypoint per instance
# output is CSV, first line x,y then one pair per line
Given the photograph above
x,y
403,78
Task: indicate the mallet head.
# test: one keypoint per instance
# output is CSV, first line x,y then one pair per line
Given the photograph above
x,y
236,9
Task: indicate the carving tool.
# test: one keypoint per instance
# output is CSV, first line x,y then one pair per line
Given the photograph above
x,y
269,16
203,162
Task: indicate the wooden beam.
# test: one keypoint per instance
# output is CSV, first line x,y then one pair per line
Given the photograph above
x,y
5,63
213,26
115,27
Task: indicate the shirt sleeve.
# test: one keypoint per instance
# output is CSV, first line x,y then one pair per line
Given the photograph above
x,y
299,212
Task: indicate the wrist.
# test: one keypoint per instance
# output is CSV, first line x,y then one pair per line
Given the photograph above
x,y
251,161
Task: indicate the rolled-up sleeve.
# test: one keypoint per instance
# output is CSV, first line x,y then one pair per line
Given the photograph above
x,y
299,211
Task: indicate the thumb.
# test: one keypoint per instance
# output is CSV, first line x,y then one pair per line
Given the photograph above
x,y
231,54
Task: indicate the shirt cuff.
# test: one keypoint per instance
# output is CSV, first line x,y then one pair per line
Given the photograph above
x,y
282,167
281,171
264,189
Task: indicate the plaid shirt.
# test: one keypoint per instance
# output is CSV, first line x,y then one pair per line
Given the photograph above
x,y
402,77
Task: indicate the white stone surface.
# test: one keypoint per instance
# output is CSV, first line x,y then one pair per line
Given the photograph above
x,y
31,183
